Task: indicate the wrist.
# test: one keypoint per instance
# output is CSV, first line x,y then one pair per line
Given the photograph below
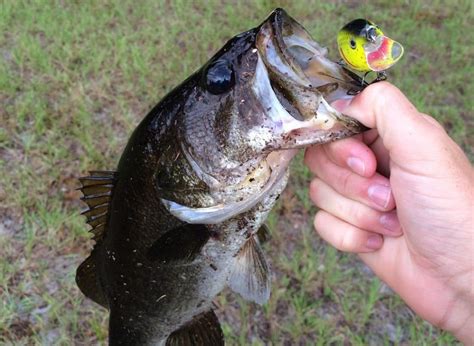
x,y
459,318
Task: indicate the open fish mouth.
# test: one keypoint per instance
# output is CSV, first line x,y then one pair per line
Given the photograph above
x,y
295,82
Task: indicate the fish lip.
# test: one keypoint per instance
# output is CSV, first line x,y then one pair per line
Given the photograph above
x,y
276,37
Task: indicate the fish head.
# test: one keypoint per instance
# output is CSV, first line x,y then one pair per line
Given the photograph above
x,y
295,82
265,94
270,88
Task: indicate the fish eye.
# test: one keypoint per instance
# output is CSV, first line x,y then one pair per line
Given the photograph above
x,y
352,42
219,77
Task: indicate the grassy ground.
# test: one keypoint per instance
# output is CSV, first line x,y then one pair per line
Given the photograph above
x,y
75,79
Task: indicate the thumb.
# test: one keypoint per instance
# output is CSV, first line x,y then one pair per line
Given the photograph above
x,y
406,133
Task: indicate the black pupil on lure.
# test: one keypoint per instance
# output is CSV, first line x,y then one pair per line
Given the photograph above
x,y
353,43
219,77
371,34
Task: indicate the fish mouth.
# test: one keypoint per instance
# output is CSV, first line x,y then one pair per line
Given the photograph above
x,y
383,53
295,82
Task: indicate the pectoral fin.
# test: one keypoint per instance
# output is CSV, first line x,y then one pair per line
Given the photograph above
x,y
88,281
203,329
263,234
250,276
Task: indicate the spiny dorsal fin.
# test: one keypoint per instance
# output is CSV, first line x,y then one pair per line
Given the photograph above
x,y
204,329
88,282
250,276
97,190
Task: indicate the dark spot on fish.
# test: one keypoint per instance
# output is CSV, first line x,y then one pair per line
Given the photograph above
x,y
212,266
251,180
214,235
200,303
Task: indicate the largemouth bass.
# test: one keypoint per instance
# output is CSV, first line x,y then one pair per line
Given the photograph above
x,y
182,216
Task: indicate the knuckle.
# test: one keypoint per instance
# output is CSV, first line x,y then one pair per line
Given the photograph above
x,y
313,158
344,182
379,94
314,188
347,242
434,123
337,151
319,221
379,89
357,215
308,157
363,217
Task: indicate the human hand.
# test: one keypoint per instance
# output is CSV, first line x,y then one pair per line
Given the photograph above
x,y
401,195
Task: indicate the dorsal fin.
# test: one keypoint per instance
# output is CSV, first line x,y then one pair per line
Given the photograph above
x,y
97,190
203,329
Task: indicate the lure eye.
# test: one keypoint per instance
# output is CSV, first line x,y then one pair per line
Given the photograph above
x,y
219,77
352,42
371,35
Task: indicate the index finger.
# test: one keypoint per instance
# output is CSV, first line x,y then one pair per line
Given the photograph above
x,y
384,107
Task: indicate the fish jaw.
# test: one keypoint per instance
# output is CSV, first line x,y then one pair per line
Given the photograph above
x,y
327,124
295,83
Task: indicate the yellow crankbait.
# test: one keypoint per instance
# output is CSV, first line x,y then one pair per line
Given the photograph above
x,y
365,48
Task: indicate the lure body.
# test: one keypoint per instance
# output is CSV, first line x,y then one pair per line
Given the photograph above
x,y
364,47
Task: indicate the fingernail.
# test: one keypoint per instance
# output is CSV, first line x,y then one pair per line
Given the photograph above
x,y
390,222
380,194
374,242
357,165
341,104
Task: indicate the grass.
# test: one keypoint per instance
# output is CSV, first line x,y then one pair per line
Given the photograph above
x,y
76,78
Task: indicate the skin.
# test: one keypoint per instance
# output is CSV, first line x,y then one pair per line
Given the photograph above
x,y
401,196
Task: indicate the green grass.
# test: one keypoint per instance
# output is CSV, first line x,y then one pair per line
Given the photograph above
x,y
75,79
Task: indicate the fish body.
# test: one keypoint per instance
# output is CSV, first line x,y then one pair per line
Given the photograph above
x,y
183,215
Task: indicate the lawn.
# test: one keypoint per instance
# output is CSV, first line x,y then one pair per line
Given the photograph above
x,y
76,77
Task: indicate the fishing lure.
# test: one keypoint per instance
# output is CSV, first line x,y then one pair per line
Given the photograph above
x,y
365,48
